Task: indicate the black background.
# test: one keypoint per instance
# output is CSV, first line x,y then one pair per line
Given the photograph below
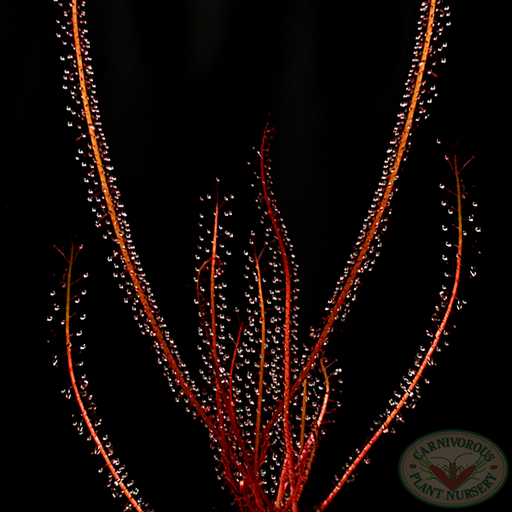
x,y
185,90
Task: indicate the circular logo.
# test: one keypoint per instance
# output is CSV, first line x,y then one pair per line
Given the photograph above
x,y
453,468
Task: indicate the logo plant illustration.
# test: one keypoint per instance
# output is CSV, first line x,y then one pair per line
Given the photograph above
x,y
264,394
451,475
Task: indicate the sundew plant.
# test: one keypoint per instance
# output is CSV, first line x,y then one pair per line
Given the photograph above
x,y
263,394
